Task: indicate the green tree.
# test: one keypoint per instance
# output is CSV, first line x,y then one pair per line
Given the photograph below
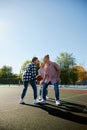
x,y
73,75
68,76
66,60
65,76
7,77
68,73
6,71
24,65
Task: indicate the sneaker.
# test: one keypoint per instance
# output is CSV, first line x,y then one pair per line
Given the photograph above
x,y
36,102
47,97
40,98
57,102
21,101
43,101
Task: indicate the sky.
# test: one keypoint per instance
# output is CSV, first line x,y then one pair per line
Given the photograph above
x,y
37,27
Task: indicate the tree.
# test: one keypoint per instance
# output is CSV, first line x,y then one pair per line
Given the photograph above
x,y
6,71
65,77
82,74
7,77
68,73
24,65
66,60
68,76
73,75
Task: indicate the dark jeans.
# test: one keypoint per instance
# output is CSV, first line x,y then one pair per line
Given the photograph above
x,y
41,91
33,85
56,89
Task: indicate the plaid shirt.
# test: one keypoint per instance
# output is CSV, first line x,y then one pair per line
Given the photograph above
x,y
30,72
52,72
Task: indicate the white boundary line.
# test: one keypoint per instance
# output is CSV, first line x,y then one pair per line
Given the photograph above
x,y
75,96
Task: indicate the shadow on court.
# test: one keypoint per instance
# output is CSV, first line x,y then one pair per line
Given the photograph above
x,y
73,107
68,111
70,115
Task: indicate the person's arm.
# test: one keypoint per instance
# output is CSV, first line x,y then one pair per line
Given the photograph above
x,y
42,81
45,75
39,73
57,68
28,68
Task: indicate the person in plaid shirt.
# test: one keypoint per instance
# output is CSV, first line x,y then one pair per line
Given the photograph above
x,y
51,76
29,77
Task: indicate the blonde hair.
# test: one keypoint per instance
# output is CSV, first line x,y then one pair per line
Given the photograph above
x,y
41,63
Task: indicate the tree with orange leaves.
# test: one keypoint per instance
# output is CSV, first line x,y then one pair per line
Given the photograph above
x,y
82,74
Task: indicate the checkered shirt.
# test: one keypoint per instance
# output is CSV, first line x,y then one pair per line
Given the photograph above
x,y
30,72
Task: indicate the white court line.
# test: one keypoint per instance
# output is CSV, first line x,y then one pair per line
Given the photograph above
x,y
74,96
77,96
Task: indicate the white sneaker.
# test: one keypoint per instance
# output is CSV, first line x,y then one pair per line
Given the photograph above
x,y
42,101
35,102
57,102
47,97
21,101
40,98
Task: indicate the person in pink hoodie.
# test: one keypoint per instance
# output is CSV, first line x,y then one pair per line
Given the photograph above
x,y
41,73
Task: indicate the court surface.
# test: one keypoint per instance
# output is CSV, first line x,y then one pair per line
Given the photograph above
x,y
71,115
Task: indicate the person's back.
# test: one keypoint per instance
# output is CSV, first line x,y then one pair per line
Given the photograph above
x,y
30,72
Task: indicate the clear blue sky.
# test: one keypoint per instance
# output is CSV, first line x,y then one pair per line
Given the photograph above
x,y
37,27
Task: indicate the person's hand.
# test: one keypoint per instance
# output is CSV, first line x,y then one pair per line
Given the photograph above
x,y
41,82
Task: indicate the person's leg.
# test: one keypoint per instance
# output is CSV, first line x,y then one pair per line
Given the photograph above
x,y
44,92
40,92
56,89
24,89
24,92
34,87
47,94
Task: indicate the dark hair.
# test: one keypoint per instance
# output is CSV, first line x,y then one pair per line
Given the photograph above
x,y
46,56
34,59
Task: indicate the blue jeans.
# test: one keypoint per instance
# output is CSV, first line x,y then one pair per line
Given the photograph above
x,y
41,92
56,89
33,85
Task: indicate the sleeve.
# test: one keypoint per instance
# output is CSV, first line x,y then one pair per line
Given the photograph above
x,y
45,71
28,68
57,67
39,72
